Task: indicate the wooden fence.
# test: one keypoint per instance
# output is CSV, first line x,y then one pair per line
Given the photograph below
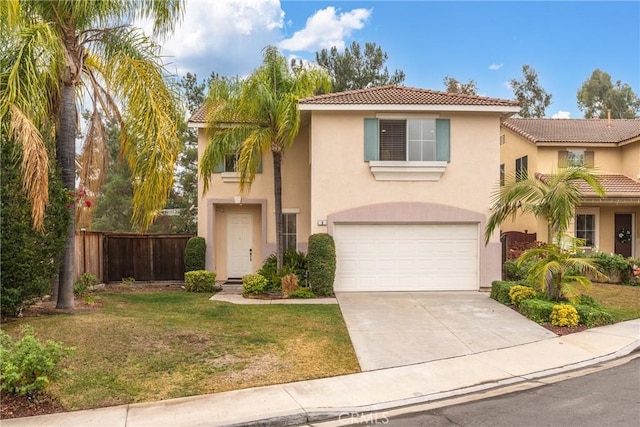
x,y
112,257
512,242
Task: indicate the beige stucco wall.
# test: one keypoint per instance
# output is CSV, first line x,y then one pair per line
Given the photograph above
x,y
631,160
220,196
342,179
513,148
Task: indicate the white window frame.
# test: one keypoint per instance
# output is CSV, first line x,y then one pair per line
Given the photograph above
x,y
596,225
285,234
408,122
575,152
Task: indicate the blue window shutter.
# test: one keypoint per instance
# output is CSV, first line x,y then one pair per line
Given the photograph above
x,y
443,140
219,167
371,140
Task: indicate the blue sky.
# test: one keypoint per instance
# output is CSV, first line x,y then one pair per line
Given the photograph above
x,y
564,41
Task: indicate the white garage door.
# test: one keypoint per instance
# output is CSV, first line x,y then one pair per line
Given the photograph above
x,y
406,257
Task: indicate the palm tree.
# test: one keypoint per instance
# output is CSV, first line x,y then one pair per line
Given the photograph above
x,y
56,53
553,197
258,115
558,271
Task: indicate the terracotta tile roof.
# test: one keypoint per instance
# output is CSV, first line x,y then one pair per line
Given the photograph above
x,y
615,185
200,116
575,130
402,95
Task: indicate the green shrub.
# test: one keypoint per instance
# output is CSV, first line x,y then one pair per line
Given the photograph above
x,y
500,291
511,271
293,262
537,310
27,366
254,283
199,281
591,316
321,261
302,293
195,254
84,282
587,300
519,293
564,315
613,265
29,259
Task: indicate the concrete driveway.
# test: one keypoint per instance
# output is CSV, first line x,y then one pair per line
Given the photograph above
x,y
391,329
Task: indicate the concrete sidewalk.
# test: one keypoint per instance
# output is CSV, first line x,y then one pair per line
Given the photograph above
x,y
329,398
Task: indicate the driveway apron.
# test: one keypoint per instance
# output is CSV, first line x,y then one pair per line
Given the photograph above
x,y
391,329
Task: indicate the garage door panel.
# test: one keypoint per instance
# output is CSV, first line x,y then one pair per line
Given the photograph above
x,y
396,257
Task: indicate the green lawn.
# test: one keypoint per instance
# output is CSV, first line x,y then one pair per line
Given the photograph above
x,y
140,347
622,302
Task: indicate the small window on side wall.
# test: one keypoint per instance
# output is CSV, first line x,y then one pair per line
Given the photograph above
x,y
522,168
502,174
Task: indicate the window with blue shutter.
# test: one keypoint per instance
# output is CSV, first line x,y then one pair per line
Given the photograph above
x,y
410,139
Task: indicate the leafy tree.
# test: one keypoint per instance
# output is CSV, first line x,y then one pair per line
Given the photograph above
x,y
453,85
532,97
264,111
355,69
598,95
557,271
28,258
553,198
52,51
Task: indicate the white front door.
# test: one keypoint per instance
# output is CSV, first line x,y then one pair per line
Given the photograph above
x,y
239,248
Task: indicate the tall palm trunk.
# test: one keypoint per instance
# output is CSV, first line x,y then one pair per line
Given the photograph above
x,y
65,155
277,190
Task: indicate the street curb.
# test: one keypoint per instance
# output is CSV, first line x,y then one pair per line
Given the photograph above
x,y
315,415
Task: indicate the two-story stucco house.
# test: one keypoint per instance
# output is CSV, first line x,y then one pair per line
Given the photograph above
x,y
401,177
611,147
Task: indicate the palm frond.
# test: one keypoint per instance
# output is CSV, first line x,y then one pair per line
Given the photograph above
x,y
35,164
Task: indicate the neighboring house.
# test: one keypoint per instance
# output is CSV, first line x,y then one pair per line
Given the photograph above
x,y
401,177
612,147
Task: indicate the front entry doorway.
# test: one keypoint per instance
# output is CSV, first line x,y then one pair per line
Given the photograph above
x,y
239,245
624,234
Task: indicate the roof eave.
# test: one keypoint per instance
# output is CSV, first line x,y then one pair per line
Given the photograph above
x,y
409,107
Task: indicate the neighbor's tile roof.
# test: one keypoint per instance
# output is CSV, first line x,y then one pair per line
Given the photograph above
x,y
575,130
614,185
199,116
402,95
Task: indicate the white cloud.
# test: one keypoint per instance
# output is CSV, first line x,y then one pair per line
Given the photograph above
x,y
327,28
225,36
562,115
495,66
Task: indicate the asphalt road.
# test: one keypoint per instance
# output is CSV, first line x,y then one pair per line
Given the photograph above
x,y
610,397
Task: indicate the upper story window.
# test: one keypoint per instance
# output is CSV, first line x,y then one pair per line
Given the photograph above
x,y
412,140
575,157
231,163
502,175
522,168
412,149
229,168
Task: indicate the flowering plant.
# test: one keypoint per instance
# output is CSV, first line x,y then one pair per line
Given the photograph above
x,y
624,235
79,198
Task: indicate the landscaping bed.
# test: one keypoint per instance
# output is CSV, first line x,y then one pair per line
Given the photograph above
x,y
601,304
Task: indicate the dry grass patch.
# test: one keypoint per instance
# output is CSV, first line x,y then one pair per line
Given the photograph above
x,y
140,347
623,302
